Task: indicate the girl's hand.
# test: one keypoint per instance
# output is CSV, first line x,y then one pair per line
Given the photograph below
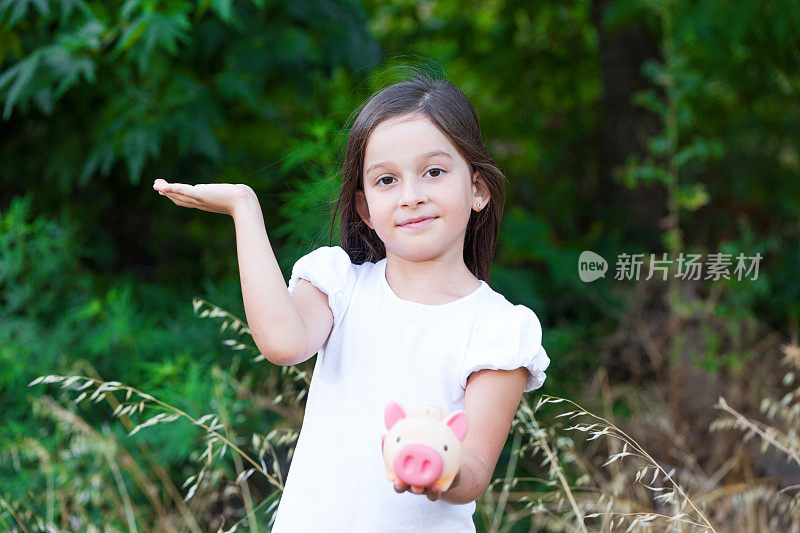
x,y
433,492
213,197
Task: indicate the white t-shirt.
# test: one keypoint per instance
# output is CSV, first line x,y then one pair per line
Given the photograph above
x,y
384,348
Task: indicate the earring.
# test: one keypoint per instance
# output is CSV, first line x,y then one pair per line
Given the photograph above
x,y
479,205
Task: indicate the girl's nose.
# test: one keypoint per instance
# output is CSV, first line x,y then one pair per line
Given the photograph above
x,y
412,193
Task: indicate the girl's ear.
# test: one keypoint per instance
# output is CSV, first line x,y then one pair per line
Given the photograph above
x,y
362,208
480,192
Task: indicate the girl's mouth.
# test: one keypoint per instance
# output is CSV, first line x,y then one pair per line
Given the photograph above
x,y
419,224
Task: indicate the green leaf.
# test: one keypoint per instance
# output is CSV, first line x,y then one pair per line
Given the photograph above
x,y
128,8
44,99
137,144
650,101
631,175
20,10
223,9
132,32
101,158
692,197
656,71
660,146
62,65
24,72
700,149
166,31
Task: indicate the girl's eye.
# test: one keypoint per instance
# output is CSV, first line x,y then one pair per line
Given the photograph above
x,y
438,170
381,182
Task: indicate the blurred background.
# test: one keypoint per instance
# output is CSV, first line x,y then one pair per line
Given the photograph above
x,y
623,126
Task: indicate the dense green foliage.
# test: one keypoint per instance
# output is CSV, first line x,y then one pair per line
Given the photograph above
x,y
97,272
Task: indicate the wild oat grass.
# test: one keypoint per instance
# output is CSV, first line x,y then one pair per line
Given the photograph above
x,y
153,412
142,412
605,481
557,505
676,497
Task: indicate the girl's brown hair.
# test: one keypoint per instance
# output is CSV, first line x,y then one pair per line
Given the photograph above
x,y
451,111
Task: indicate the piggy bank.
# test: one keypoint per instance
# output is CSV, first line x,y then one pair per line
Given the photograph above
x,y
423,446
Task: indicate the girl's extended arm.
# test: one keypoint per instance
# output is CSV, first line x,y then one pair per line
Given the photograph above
x,y
491,401
275,324
273,318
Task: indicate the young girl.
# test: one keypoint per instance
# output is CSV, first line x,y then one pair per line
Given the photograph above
x,y
401,311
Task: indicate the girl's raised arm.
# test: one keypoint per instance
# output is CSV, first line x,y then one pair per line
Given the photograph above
x,y
274,321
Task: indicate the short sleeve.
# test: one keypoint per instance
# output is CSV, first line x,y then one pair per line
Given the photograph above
x,y
329,269
506,341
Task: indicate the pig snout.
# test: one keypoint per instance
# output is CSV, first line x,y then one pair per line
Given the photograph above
x,y
418,465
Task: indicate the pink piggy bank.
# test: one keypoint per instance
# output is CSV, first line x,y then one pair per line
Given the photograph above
x,y
423,446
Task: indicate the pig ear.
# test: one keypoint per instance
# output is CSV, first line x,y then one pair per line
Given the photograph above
x,y
392,414
458,423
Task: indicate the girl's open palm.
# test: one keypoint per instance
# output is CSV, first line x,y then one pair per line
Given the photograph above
x,y
213,197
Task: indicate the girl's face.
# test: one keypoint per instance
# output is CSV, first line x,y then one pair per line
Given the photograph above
x,y
412,170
